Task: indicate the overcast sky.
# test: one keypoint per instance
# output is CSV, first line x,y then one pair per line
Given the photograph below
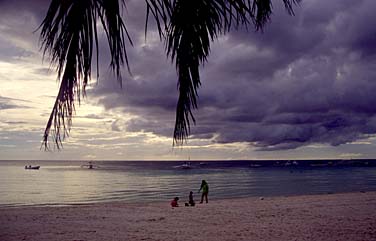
x,y
303,89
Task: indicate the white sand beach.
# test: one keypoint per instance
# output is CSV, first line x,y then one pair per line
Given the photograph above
x,y
350,216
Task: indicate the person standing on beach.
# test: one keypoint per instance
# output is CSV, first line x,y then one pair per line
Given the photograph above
x,y
205,191
191,202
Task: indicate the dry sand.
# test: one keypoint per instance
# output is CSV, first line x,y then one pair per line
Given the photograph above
x,y
350,216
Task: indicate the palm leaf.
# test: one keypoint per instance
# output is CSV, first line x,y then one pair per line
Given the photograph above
x,y
68,35
193,25
189,27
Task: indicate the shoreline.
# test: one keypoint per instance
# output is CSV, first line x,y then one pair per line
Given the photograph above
x,y
148,202
340,216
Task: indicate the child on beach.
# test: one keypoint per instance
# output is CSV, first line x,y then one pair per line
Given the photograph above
x,y
174,202
205,191
191,202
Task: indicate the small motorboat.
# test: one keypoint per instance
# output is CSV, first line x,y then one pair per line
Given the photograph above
x,y
29,167
89,165
186,165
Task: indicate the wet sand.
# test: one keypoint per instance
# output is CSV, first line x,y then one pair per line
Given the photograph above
x,y
350,216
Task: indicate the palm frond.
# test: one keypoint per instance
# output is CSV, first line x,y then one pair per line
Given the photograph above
x,y
193,25
188,28
161,10
68,35
112,22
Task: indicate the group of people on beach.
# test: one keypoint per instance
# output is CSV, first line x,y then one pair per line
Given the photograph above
x,y
205,191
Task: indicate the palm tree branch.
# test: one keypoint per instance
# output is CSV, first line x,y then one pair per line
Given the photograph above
x,y
192,26
69,35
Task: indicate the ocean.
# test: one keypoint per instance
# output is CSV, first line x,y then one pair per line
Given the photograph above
x,y
67,183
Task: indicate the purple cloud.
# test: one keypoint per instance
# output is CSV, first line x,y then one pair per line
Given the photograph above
x,y
306,79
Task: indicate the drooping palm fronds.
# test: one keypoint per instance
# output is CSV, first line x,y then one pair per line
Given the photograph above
x,y
189,27
68,35
193,25
262,10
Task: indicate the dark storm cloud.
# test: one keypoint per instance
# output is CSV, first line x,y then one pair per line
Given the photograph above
x,y
37,8
319,91
19,19
305,79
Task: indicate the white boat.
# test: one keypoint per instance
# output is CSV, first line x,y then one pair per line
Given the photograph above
x,y
186,165
288,163
32,167
291,163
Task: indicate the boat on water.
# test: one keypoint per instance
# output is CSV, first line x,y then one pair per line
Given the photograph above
x,y
186,165
255,165
291,163
89,165
29,167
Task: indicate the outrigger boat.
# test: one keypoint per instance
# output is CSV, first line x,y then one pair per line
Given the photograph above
x,y
32,167
89,165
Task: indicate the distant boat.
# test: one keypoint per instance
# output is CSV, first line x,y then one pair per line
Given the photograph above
x,y
186,165
291,163
32,167
89,165
255,165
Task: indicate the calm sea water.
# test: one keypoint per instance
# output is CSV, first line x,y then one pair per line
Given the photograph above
x,y
65,182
